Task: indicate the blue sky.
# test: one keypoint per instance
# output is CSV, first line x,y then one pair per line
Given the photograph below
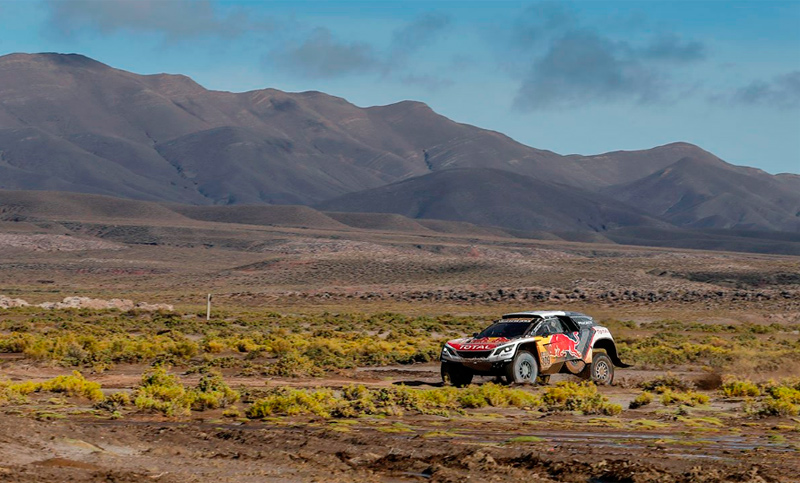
x,y
573,77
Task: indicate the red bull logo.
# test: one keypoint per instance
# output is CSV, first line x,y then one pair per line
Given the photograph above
x,y
564,345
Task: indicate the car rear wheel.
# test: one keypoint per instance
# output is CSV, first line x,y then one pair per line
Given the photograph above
x,y
455,375
601,370
523,369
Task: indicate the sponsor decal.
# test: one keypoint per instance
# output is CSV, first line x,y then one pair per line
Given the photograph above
x,y
562,345
545,357
478,347
484,344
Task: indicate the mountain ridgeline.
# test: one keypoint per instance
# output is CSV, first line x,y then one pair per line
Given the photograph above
x,y
69,123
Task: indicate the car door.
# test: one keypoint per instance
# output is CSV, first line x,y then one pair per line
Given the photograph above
x,y
552,341
581,326
564,341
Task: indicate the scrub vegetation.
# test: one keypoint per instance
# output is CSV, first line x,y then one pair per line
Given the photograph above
x,y
74,385
751,348
355,401
162,392
258,343
298,345
581,397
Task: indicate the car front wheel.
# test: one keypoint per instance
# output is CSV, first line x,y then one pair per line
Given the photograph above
x,y
524,369
455,375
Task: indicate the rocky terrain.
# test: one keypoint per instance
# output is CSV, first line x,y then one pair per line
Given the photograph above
x,y
86,303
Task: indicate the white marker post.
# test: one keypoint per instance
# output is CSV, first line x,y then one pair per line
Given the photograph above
x,y
208,308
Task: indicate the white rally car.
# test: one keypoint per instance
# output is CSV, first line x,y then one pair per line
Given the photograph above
x,y
527,347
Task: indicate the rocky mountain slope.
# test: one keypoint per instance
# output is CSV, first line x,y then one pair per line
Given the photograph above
x,y
69,123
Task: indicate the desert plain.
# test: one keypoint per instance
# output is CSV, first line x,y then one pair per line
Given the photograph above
x,y
320,358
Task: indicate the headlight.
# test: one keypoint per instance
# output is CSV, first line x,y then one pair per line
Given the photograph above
x,y
446,351
503,350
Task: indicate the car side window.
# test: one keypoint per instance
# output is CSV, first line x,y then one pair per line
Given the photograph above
x,y
548,327
567,325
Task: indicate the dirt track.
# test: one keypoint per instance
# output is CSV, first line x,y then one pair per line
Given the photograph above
x,y
483,445
294,451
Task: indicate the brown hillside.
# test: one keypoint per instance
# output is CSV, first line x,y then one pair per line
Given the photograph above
x,y
283,215
379,221
495,198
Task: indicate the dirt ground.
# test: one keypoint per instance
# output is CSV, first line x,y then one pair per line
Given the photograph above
x,y
308,271
46,441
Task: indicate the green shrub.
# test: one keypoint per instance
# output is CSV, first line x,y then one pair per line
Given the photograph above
x,y
778,407
497,396
305,345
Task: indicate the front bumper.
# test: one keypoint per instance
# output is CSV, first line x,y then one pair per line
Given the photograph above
x,y
497,359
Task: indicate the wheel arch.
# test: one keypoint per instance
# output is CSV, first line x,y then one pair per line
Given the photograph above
x,y
610,347
530,347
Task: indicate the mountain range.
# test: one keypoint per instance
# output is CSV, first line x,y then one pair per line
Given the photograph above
x,y
70,123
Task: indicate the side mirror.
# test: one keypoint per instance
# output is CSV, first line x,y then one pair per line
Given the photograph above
x,y
474,335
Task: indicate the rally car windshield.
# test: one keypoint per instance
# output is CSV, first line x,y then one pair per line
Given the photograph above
x,y
509,330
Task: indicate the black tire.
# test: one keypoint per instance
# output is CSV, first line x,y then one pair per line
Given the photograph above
x,y
600,371
524,369
455,375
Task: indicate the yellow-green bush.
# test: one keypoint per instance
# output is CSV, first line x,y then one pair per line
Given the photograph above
x,y
162,392
782,399
642,399
582,397
114,402
685,398
212,392
739,388
11,393
74,385
328,341
777,407
291,402
498,396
